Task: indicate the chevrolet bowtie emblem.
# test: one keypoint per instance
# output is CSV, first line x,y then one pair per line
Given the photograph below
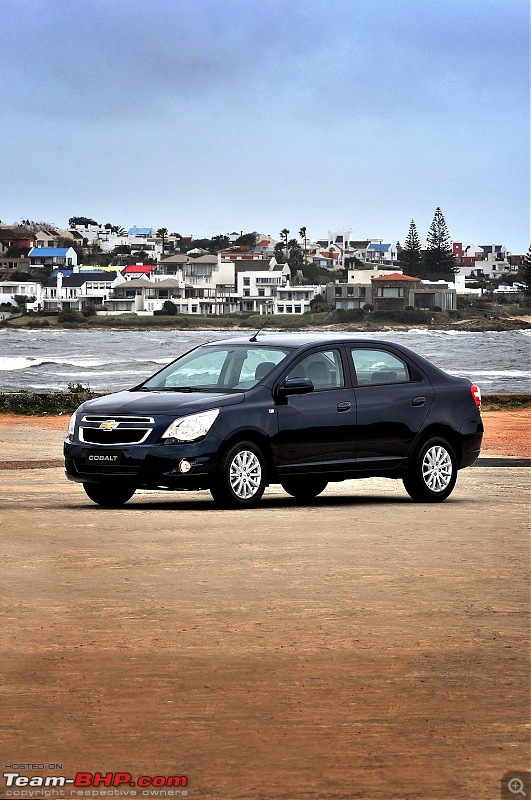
x,y
109,425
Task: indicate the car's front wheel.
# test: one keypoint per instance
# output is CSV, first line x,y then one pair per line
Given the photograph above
x,y
108,495
241,477
433,474
304,489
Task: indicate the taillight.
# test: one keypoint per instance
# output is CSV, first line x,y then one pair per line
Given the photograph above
x,y
476,394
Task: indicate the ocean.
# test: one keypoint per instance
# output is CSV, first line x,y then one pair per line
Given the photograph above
x,y
111,360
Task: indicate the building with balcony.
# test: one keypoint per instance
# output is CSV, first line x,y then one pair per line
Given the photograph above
x,y
78,290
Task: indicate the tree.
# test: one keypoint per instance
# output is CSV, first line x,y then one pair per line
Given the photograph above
x,y
439,259
220,242
280,254
246,240
162,232
22,299
525,270
302,234
284,233
410,255
295,257
319,304
73,221
117,229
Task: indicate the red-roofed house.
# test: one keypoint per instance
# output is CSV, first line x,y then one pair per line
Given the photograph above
x,y
392,292
137,270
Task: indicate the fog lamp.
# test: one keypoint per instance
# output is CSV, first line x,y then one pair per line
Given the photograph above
x,y
184,465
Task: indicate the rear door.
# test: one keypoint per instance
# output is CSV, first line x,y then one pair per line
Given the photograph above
x,y
393,398
316,431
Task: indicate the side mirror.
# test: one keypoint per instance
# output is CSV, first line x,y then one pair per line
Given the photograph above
x,y
295,386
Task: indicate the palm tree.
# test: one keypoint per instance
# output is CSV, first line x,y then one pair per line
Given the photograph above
x,y
284,233
162,232
302,234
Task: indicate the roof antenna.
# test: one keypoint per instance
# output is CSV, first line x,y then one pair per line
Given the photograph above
x,y
253,338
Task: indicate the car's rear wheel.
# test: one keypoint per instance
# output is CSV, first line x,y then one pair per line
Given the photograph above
x,y
108,495
434,472
241,477
304,488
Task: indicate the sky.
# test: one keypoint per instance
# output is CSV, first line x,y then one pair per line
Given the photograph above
x,y
212,116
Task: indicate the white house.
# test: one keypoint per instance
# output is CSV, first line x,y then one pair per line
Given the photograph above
x,y
257,283
79,290
295,299
9,289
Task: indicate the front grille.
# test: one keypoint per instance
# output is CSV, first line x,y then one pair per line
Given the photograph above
x,y
113,431
118,436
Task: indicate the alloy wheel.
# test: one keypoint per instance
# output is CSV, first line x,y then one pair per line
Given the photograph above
x,y
437,468
245,474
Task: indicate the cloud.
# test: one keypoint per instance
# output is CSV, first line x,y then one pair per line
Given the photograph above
x,y
128,58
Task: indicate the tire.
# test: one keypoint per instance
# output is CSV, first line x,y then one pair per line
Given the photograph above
x,y
304,488
434,472
241,477
108,495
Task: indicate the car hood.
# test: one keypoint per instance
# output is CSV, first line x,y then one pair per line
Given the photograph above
x,y
152,403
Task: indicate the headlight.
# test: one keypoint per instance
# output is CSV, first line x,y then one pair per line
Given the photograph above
x,y
71,426
188,429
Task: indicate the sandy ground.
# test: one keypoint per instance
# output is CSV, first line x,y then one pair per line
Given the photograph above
x,y
361,647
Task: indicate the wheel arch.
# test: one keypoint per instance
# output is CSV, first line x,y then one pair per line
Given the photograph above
x,y
257,438
444,432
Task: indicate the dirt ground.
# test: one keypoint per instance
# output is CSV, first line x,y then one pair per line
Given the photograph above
x,y
361,647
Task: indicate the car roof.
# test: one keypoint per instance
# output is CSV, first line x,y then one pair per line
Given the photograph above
x,y
302,339
306,340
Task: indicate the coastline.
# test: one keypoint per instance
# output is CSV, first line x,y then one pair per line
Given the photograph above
x,y
439,321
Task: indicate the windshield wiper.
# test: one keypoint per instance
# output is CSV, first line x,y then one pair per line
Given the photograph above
x,y
177,389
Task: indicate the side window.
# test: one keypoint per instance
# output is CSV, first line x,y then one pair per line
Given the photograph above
x,y
375,367
324,369
257,364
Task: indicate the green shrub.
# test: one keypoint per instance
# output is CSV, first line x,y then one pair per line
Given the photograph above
x,y
70,315
78,388
350,314
169,307
25,402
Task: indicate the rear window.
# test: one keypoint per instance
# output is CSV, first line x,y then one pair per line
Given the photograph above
x,y
376,367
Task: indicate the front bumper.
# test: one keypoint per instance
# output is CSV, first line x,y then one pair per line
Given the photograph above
x,y
144,466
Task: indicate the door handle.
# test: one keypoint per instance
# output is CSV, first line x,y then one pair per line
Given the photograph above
x,y
418,401
346,406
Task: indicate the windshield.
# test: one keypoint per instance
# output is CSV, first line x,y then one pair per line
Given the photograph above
x,y
219,368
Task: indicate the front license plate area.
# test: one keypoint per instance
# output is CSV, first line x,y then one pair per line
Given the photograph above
x,y
95,458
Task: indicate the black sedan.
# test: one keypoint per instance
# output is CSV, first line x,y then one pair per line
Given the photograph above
x,y
300,410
